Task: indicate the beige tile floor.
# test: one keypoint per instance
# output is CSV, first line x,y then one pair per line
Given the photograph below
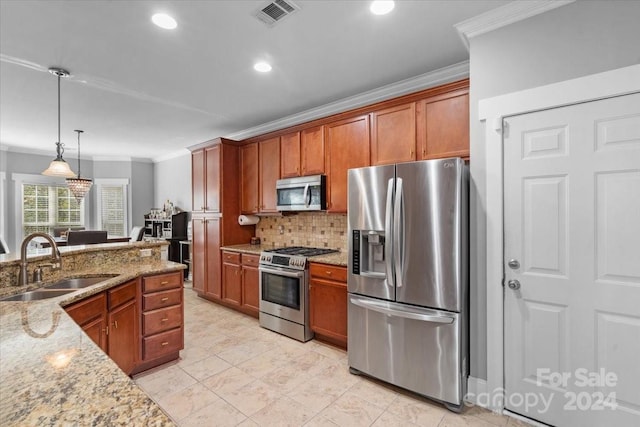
x,y
232,372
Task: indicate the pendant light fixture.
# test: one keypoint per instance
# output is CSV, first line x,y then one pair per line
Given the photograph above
x,y
79,186
58,167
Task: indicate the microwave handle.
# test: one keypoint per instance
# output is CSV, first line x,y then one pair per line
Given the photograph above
x,y
305,195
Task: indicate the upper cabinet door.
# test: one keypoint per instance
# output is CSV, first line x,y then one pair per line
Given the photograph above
x,y
443,126
290,155
212,186
269,174
312,151
347,143
393,135
197,180
249,181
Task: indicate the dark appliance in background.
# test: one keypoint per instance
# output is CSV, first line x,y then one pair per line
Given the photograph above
x,y
179,223
172,229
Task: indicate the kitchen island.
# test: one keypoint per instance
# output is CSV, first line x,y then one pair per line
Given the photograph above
x,y
51,372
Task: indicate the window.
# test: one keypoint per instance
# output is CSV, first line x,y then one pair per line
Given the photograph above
x,y
112,206
47,206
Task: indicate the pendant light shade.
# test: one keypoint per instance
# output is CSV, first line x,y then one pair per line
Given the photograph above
x,y
58,167
79,186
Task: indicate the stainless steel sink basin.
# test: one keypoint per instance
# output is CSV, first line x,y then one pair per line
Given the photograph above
x,y
79,282
37,295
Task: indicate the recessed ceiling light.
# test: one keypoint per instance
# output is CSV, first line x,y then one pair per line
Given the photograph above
x,y
165,21
263,67
382,7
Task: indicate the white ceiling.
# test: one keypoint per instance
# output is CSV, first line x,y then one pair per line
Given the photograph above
x,y
144,92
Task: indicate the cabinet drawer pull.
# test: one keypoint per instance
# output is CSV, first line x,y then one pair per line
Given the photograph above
x,y
328,273
164,320
165,299
165,343
165,282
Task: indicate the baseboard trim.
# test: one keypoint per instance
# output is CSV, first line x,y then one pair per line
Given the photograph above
x,y
475,387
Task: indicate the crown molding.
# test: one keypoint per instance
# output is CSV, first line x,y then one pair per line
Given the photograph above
x,y
505,15
414,84
172,155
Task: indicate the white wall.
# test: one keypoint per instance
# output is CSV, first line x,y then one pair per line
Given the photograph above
x,y
172,179
579,39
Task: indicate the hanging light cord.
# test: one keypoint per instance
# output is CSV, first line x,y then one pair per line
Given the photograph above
x,y
79,132
59,144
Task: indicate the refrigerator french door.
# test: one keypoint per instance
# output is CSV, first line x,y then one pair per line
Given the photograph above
x,y
408,276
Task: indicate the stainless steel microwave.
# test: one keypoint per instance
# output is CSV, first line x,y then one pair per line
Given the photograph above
x,y
305,193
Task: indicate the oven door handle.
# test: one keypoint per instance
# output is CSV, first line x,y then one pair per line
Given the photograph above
x,y
281,272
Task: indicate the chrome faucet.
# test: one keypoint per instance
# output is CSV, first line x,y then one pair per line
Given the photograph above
x,y
23,277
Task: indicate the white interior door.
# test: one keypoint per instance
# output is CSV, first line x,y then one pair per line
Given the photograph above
x,y
572,258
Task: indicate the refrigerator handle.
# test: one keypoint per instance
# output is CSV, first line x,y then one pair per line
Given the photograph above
x,y
398,232
388,233
368,305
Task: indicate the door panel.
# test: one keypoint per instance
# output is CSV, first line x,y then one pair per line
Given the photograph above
x,y
432,252
212,169
545,228
571,180
388,343
368,199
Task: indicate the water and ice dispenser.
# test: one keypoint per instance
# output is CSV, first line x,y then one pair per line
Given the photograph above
x,y
368,253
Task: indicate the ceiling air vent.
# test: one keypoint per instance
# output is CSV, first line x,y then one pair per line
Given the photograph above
x,y
276,11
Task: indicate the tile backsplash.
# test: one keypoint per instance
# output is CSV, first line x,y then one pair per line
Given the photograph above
x,y
317,229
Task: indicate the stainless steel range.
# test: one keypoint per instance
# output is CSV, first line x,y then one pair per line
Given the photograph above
x,y
284,290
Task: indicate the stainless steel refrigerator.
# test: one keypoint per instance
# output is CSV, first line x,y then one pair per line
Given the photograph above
x,y
408,276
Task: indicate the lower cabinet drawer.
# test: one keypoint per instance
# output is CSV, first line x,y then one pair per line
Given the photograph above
x,y
161,282
161,299
160,344
161,320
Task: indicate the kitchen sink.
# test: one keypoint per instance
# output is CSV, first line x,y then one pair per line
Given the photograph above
x,y
37,295
80,282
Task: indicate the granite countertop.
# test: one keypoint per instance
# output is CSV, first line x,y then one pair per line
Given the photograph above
x,y
52,373
336,258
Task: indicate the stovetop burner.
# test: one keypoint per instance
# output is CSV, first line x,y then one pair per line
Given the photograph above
x,y
294,257
302,251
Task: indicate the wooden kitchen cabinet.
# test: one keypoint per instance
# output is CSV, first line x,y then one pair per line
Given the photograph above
x,y
393,135
91,315
328,303
240,282
123,335
249,178
162,319
231,278
211,230
312,151
205,179
290,155
269,173
250,284
302,153
205,260
442,126
111,320
347,147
